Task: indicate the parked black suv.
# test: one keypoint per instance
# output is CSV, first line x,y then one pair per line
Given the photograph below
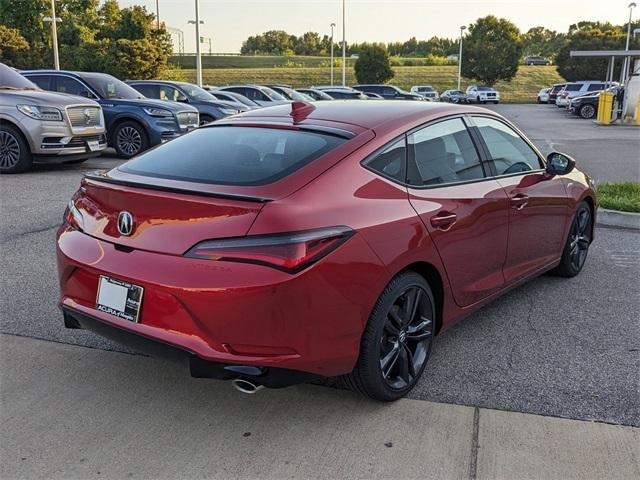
x,y
210,108
389,92
134,123
536,60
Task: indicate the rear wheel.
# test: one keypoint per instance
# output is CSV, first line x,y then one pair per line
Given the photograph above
x,y
15,156
130,139
587,111
205,119
577,246
397,340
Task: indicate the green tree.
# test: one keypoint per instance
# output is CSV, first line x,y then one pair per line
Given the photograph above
x,y
491,50
591,36
373,65
542,41
13,46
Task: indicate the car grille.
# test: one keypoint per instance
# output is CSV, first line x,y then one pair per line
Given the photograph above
x,y
188,119
491,94
84,116
81,141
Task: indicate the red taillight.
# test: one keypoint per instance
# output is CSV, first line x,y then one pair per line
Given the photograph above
x,y
73,217
290,252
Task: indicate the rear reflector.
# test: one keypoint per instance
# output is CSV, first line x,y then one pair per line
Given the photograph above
x,y
73,217
290,252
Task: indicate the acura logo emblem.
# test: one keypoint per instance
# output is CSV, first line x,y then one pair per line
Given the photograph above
x,y
125,223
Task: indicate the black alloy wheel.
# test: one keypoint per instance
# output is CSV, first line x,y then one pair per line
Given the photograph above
x,y
397,341
577,245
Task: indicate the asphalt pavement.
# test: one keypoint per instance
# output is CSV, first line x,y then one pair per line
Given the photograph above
x,y
567,348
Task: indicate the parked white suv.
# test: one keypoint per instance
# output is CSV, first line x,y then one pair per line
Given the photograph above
x,y
575,89
482,94
427,92
39,126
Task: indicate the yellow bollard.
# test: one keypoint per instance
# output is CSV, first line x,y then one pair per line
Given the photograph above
x,y
605,108
638,112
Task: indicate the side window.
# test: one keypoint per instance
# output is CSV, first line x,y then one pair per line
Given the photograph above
x,y
42,81
508,151
169,93
70,86
388,92
391,162
595,86
255,94
443,153
149,91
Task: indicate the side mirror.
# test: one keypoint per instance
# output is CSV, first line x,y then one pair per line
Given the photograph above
x,y
182,99
559,164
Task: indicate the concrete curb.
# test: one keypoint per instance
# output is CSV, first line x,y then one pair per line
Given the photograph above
x,y
614,218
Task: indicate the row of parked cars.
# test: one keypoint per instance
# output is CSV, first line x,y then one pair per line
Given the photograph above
x,y
580,98
68,117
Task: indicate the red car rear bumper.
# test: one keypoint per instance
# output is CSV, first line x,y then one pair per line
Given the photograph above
x,y
226,313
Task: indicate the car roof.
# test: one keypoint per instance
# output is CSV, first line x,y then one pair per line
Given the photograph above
x,y
367,114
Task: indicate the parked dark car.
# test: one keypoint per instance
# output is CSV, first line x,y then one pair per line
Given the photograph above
x,y
134,123
315,93
234,97
374,96
344,93
389,92
553,93
454,96
585,106
209,107
536,60
289,93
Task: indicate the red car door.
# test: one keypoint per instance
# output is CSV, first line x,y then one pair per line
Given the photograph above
x,y
465,212
538,204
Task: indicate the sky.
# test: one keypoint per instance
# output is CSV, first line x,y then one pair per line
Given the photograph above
x,y
229,22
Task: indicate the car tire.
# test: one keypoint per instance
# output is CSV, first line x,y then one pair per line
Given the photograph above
x,y
396,342
587,111
15,154
577,245
205,119
129,139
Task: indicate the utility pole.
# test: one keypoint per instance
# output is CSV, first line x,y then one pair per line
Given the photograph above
x,y
158,14
197,23
462,29
332,27
344,45
54,34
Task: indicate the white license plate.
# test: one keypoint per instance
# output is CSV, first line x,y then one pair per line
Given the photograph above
x,y
93,145
118,298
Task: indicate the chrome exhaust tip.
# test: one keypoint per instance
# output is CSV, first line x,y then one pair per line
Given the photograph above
x,y
245,386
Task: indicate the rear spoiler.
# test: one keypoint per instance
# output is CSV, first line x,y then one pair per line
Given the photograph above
x,y
101,176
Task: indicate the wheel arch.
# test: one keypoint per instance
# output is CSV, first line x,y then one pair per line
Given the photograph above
x,y
592,207
25,136
433,277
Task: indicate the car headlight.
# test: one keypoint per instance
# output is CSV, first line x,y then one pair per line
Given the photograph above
x,y
157,112
47,114
229,111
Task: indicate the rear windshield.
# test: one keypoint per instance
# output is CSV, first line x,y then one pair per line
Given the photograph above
x,y
228,155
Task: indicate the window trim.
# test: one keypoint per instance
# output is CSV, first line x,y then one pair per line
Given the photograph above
x,y
487,155
53,76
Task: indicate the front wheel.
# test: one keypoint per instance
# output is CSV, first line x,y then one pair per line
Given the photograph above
x,y
130,139
397,340
577,245
15,156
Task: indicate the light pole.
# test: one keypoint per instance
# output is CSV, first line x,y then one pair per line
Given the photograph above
x,y
462,29
631,7
332,27
54,34
344,46
197,23
626,64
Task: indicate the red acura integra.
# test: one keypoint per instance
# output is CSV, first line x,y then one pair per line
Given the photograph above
x,y
318,240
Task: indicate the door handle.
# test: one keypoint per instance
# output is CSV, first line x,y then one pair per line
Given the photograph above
x,y
519,201
443,220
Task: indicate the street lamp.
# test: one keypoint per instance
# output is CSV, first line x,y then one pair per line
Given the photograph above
x,y
54,34
332,27
344,46
197,23
632,5
462,29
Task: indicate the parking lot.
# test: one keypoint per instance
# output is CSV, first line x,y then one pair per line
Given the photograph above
x,y
558,347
